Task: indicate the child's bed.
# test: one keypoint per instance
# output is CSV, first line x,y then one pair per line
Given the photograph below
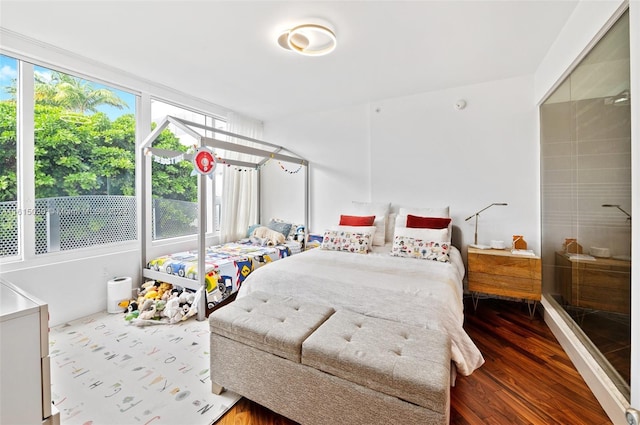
x,y
226,266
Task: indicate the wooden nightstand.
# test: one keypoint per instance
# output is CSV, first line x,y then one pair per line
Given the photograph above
x,y
596,283
499,272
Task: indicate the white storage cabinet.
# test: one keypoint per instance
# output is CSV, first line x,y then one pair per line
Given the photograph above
x,y
25,384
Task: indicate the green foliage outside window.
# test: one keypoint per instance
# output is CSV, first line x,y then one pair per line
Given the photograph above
x,y
84,154
81,151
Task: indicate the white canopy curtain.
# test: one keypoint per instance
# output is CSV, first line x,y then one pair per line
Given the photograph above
x,y
239,188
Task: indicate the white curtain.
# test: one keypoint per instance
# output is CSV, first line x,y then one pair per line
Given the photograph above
x,y
239,188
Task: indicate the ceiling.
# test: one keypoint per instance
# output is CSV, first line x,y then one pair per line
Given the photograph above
x,y
225,52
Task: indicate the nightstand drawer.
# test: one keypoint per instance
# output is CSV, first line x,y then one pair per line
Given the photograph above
x,y
508,286
505,265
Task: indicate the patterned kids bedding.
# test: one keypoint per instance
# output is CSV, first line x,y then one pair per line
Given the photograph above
x,y
226,265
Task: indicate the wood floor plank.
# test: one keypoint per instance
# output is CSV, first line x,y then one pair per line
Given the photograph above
x,y
527,378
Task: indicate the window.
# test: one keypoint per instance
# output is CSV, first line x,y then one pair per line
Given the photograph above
x,y
84,163
174,185
9,246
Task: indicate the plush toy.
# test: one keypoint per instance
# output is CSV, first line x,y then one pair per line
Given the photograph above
x,y
145,287
145,306
300,235
125,305
132,315
163,288
133,306
148,314
173,311
272,237
185,309
186,297
151,294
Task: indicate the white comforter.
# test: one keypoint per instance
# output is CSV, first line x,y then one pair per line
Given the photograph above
x,y
419,292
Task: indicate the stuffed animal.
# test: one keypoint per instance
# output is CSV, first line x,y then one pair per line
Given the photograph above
x,y
148,314
173,311
186,297
273,237
163,288
133,306
300,235
147,309
132,315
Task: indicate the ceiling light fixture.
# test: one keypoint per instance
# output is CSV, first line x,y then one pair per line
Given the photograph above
x,y
308,40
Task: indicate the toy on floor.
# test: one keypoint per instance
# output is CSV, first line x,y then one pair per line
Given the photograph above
x,y
160,302
173,310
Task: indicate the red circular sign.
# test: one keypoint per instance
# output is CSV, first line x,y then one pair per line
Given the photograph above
x,y
203,161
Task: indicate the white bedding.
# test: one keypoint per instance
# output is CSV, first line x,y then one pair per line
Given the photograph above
x,y
408,290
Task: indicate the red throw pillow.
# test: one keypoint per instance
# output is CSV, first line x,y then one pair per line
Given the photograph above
x,y
417,222
357,220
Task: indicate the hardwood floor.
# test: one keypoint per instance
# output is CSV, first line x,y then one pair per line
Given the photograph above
x,y
527,378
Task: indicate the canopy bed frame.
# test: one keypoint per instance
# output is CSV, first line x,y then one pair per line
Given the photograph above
x,y
266,152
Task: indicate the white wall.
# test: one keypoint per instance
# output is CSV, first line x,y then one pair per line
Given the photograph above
x,y
420,151
337,144
425,152
75,288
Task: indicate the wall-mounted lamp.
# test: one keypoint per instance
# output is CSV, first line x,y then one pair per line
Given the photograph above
x,y
475,238
308,40
618,207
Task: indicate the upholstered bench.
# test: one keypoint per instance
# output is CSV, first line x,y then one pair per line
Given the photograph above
x,y
317,366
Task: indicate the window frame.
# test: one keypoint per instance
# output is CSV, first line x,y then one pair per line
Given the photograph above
x,y
101,74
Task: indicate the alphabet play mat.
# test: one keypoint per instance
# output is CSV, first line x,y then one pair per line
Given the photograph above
x,y
106,371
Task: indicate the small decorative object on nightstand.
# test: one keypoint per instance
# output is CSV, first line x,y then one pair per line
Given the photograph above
x,y
519,242
503,273
572,246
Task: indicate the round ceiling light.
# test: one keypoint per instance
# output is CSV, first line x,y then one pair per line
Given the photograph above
x,y
308,39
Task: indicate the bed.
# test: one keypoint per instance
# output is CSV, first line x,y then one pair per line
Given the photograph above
x,y
382,287
396,264
406,290
226,266
234,261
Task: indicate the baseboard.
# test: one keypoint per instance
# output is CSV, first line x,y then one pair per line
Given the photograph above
x,y
610,398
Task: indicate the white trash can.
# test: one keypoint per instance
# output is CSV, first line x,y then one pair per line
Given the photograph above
x,y
118,290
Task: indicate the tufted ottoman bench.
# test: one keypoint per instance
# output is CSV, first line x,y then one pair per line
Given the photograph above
x,y
317,366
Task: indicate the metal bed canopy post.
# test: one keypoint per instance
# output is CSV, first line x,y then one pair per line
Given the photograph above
x,y
202,234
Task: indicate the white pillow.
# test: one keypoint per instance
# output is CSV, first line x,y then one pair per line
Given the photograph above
x,y
425,212
417,248
380,210
391,224
371,230
343,240
432,235
401,219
